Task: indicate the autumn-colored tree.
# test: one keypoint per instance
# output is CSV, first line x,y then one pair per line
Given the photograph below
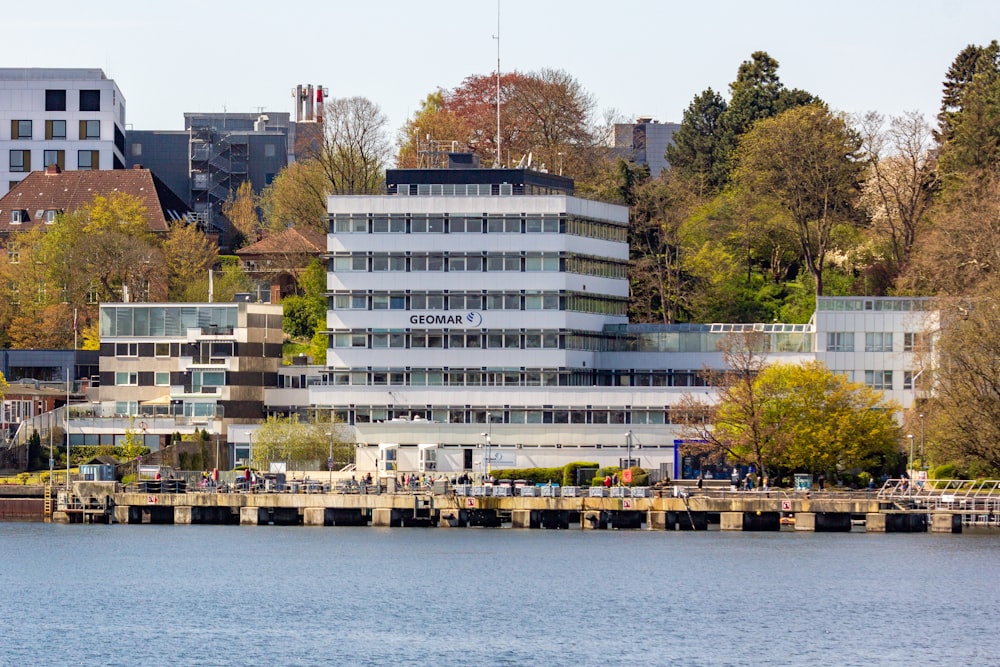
x,y
240,208
189,254
806,162
228,280
432,127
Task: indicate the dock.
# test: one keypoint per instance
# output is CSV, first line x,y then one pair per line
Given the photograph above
x,y
889,510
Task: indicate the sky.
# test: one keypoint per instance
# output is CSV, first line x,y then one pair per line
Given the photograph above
x,y
638,58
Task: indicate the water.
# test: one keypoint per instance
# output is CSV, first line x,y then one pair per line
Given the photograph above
x,y
215,595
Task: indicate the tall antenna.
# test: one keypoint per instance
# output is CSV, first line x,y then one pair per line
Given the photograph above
x,y
496,164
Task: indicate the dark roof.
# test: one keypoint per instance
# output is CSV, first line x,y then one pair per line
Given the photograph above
x,y
293,240
68,191
523,180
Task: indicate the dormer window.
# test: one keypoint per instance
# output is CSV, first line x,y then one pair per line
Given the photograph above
x,y
17,216
50,215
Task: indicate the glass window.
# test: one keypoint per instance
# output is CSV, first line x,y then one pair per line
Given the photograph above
x,y
879,379
87,160
55,129
20,160
90,100
90,129
350,263
162,378
269,150
878,341
20,129
57,158
55,100
840,341
126,378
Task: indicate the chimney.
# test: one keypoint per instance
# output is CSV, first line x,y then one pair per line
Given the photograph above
x,y
53,169
137,166
309,102
319,104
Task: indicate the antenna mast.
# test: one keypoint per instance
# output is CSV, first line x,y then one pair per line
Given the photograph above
x,y
496,164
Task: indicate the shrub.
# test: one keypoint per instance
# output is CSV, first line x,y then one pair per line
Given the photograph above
x,y
945,471
570,471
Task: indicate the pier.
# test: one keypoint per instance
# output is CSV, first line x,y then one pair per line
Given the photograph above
x,y
941,508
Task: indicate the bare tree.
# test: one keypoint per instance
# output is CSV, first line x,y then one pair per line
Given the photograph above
x,y
901,181
355,148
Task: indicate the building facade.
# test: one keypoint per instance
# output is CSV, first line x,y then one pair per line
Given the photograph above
x,y
645,142
477,320
176,368
73,118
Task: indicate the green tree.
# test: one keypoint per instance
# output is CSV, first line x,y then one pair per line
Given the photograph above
x,y
806,163
970,61
792,416
189,255
297,197
305,314
292,441
227,280
694,150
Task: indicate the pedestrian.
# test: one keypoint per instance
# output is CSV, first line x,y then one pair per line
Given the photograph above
x,y
607,481
822,482
701,480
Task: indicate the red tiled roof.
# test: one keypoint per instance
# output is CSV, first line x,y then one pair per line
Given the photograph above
x,y
67,191
290,241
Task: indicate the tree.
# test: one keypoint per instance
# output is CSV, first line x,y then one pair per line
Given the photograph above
x,y
781,417
240,208
970,61
297,197
806,162
960,252
354,149
964,411
433,122
227,281
756,94
305,314
286,439
189,255
694,150
901,181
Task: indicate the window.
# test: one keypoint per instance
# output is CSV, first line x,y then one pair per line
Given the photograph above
x,y
269,150
20,129
382,224
126,379
13,256
879,379
350,263
50,214
90,100
57,158
55,129
878,341
20,160
161,379
18,216
914,342
427,263
503,262
541,263
55,100
86,160
126,349
90,129
840,341
161,349
136,150
907,379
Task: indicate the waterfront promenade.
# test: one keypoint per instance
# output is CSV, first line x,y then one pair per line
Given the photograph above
x,y
893,508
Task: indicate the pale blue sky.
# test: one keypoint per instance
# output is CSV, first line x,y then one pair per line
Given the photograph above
x,y
639,57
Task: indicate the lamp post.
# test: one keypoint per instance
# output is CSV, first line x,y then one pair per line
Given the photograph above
x,y
628,448
921,415
329,459
486,457
910,472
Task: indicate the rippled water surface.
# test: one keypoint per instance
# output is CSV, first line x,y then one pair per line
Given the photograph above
x,y
218,595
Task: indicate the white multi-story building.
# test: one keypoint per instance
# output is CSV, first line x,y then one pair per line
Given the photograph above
x,y
73,118
478,319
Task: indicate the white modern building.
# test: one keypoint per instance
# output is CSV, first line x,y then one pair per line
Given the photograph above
x,y
72,118
478,320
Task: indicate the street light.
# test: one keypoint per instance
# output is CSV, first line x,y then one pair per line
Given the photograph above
x,y
921,415
628,445
329,459
486,459
910,485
